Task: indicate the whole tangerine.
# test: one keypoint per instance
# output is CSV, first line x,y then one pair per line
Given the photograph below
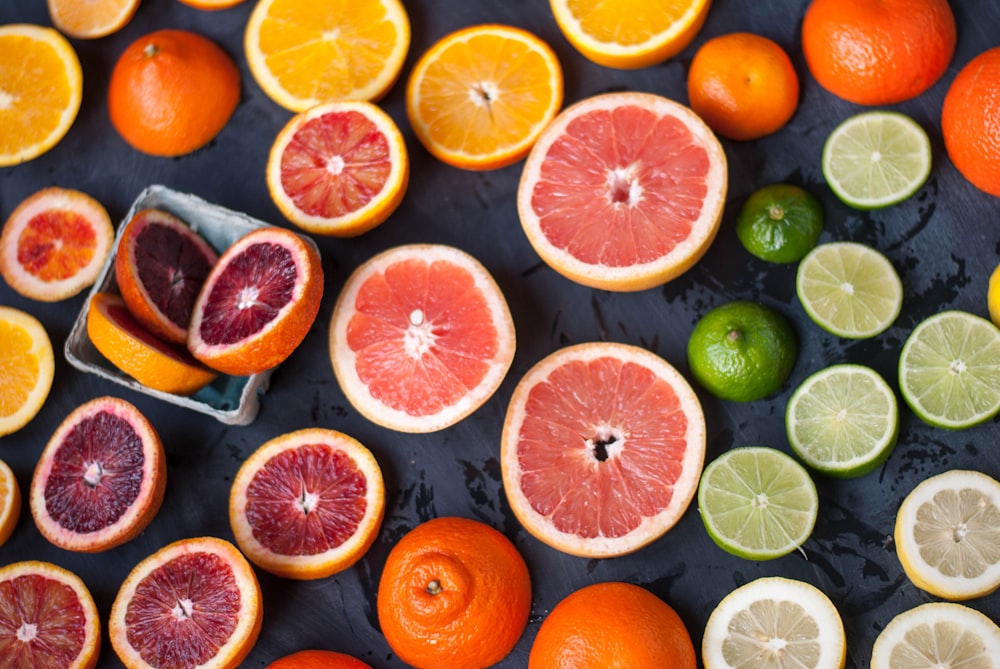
x,y
318,659
970,121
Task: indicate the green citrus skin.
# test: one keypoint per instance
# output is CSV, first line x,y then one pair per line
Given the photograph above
x,y
780,223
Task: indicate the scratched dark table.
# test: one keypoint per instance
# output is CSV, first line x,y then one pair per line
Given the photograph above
x,y
944,242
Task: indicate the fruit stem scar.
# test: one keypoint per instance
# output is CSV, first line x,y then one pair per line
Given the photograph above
x,y
92,475
734,335
776,212
27,632
434,587
150,50
183,609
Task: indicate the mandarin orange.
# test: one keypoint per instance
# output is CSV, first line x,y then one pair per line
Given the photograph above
x,y
970,121
318,659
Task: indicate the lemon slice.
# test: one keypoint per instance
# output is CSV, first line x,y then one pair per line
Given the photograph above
x,y
937,635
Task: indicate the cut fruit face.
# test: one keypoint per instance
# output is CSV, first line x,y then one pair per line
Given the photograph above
x,y
27,367
601,450
623,191
91,19
307,504
421,336
774,622
10,502
937,635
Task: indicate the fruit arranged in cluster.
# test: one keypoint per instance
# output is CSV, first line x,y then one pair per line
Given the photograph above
x,y
970,121
780,223
27,368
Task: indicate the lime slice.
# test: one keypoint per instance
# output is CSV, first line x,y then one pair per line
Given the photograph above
x,y
877,158
949,370
937,635
843,420
757,503
849,289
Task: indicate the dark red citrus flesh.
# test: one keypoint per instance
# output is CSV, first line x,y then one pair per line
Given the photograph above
x,y
119,314
48,613
306,500
335,164
55,244
423,335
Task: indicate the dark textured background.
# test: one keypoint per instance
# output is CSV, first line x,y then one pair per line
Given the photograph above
x,y
943,242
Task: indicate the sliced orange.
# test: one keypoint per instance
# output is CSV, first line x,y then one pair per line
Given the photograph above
x,y
630,34
303,52
27,367
479,97
92,18
211,4
10,502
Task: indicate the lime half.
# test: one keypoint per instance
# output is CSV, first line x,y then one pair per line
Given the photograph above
x,y
843,420
849,289
877,158
949,370
757,503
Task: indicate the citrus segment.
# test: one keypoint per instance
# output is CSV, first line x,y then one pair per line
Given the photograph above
x,y
937,635
93,18
601,449
318,659
27,367
10,502
970,122
480,97
623,191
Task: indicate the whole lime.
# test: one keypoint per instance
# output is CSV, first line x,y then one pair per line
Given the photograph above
x,y
780,223
742,351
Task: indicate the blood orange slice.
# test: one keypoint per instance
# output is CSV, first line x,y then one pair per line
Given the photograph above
x,y
602,447
100,479
420,337
160,266
258,303
307,504
623,191
55,243
10,502
48,619
193,603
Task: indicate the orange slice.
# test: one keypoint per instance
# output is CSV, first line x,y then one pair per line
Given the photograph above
x,y
339,169
10,502
92,18
27,367
303,52
211,5
479,97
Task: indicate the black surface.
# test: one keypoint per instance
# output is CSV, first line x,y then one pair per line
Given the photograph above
x,y
943,242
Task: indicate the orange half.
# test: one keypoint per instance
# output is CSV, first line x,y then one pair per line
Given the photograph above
x,y
90,19
27,367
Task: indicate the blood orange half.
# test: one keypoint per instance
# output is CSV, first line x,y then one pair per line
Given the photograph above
x,y
602,448
623,191
420,337
100,480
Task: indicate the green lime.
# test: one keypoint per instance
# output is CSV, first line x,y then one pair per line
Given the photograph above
x,y
949,370
843,420
757,503
742,351
876,158
780,223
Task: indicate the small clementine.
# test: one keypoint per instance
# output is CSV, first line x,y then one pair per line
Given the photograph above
x,y
970,121
317,659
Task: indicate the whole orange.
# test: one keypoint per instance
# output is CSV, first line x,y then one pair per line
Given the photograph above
x,y
454,594
970,121
743,85
612,625
317,659
172,91
878,52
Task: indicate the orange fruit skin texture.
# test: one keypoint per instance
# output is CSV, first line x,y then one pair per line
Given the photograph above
x,y
878,52
743,85
970,121
609,625
454,594
172,91
318,659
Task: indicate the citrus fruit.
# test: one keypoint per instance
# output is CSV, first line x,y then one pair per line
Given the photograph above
x,y
420,337
742,351
318,659
947,535
10,502
601,449
949,370
211,4
304,53
307,504
55,243
48,619
623,191
454,594
612,624
774,622
168,368
849,289
876,159
480,96
757,503
843,420
160,267
970,121
878,52
100,479
172,91
993,296
36,111
743,85
27,367
937,635
93,18
780,223
257,303
194,602
632,34
339,169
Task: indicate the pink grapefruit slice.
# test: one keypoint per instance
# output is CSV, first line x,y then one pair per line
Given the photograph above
x,y
421,336
623,191
602,448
